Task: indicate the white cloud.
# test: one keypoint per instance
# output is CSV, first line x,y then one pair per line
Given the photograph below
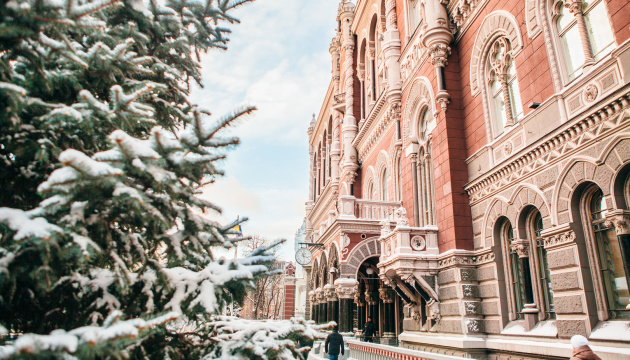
x,y
277,60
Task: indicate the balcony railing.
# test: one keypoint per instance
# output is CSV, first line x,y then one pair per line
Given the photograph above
x,y
360,350
353,208
375,210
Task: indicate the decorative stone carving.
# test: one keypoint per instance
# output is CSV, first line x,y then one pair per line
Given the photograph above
x,y
434,310
345,243
371,297
620,220
401,217
388,248
386,228
473,325
329,293
590,93
439,54
418,243
521,247
386,294
507,148
559,239
551,148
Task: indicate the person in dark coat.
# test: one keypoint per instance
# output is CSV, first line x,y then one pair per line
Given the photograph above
x,y
334,344
369,330
581,350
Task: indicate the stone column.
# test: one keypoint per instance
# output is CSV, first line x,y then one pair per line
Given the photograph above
x,y
307,288
522,247
349,128
371,299
437,38
345,289
388,296
332,303
313,306
361,313
321,300
620,220
575,7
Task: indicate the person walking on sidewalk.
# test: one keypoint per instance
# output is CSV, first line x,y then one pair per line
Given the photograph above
x,y
581,350
334,344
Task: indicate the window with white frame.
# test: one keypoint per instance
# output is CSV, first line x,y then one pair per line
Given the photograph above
x,y
413,16
503,91
584,32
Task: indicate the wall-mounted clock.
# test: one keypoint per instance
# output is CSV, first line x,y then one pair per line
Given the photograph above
x,y
303,256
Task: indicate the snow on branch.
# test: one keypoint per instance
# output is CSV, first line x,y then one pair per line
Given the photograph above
x,y
77,166
25,224
241,339
199,287
70,342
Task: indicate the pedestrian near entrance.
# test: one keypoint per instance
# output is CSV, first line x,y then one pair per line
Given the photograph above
x,y
368,330
334,344
581,350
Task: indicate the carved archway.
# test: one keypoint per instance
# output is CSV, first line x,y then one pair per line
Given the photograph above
x,y
365,249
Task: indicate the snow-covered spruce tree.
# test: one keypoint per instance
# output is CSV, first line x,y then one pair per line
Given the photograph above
x,y
101,157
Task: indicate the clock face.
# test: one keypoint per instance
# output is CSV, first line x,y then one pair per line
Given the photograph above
x,y
303,256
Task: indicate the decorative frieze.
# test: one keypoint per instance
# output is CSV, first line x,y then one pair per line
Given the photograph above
x,y
559,144
559,239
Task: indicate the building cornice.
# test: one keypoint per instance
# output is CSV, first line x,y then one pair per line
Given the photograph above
x,y
372,129
571,138
320,123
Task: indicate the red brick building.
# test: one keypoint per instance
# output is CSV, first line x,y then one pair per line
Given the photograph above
x,y
470,175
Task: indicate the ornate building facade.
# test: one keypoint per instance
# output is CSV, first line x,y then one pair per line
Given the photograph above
x,y
470,176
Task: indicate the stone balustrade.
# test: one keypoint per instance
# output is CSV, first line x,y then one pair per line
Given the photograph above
x,y
360,350
352,208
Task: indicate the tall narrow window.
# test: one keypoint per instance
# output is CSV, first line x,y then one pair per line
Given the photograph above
x,y
614,277
413,10
585,34
384,186
503,89
426,193
543,268
399,179
516,270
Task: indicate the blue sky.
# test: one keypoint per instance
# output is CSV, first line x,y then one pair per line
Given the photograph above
x,y
277,60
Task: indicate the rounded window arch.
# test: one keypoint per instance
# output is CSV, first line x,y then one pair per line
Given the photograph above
x,y
611,263
502,89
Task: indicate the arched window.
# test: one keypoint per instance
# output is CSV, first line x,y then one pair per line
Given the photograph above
x,y
426,192
584,32
611,261
516,270
503,90
536,228
413,16
384,189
